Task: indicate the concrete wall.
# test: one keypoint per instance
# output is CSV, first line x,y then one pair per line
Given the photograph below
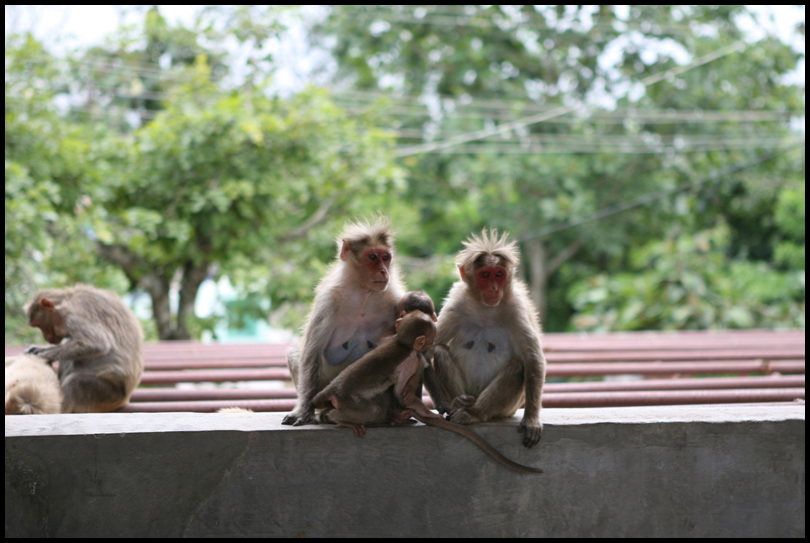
x,y
688,471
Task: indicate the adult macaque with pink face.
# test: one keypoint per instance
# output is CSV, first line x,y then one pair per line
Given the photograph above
x,y
488,360
355,305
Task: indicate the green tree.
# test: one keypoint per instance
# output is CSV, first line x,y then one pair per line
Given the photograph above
x,y
47,164
218,176
537,118
688,283
218,179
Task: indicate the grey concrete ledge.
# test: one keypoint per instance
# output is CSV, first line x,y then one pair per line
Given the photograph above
x,y
670,471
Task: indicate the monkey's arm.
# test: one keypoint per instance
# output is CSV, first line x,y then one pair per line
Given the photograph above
x,y
535,378
310,361
77,347
442,378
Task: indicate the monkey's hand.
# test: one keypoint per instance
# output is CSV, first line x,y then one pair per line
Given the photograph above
x,y
296,419
461,402
33,349
531,430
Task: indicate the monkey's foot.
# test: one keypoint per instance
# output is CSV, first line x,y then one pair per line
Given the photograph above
x,y
403,417
462,417
358,429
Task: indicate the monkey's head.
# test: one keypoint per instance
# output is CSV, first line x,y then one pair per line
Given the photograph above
x,y
44,314
367,247
487,265
417,300
416,330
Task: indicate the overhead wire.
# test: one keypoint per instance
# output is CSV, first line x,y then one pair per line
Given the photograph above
x,y
562,110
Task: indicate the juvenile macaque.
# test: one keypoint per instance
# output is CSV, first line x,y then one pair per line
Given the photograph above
x,y
362,393
355,304
353,395
409,392
32,386
101,361
417,300
488,359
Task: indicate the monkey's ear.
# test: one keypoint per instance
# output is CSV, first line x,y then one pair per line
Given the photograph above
x,y
47,304
345,249
402,314
461,273
434,317
399,320
419,343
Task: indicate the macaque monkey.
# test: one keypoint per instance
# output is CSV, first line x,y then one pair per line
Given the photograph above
x,y
355,304
488,360
32,386
417,300
101,362
360,395
353,395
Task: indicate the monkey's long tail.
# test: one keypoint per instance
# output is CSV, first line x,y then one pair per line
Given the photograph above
x,y
478,440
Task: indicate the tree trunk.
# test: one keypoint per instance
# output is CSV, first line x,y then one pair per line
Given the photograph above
x,y
538,277
193,276
158,285
540,268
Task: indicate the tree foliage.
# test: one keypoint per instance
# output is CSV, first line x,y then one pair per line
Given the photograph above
x,y
213,180
542,120
644,157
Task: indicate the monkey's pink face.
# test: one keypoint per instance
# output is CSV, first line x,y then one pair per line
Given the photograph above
x,y
376,262
491,281
49,333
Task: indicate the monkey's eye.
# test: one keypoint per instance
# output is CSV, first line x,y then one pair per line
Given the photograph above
x,y
386,257
485,275
372,256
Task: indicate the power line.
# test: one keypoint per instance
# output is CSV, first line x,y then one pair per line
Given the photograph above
x,y
649,198
563,110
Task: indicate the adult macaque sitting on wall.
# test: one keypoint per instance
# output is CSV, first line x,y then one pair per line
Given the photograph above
x,y
101,359
355,305
488,359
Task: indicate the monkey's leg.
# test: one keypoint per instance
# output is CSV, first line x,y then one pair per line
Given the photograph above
x,y
354,412
443,380
89,393
501,398
293,357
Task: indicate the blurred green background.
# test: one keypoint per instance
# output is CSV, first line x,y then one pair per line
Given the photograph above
x,y
649,159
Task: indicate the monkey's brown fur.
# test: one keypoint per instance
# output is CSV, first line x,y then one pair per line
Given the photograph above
x,y
355,304
101,362
488,358
352,395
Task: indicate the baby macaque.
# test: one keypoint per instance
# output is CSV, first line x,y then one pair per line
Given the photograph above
x,y
355,305
352,394
379,388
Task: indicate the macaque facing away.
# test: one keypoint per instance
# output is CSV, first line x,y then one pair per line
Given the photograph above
x,y
353,394
355,305
488,359
101,359
32,386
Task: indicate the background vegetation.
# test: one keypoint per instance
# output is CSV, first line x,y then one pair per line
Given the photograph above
x,y
649,159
